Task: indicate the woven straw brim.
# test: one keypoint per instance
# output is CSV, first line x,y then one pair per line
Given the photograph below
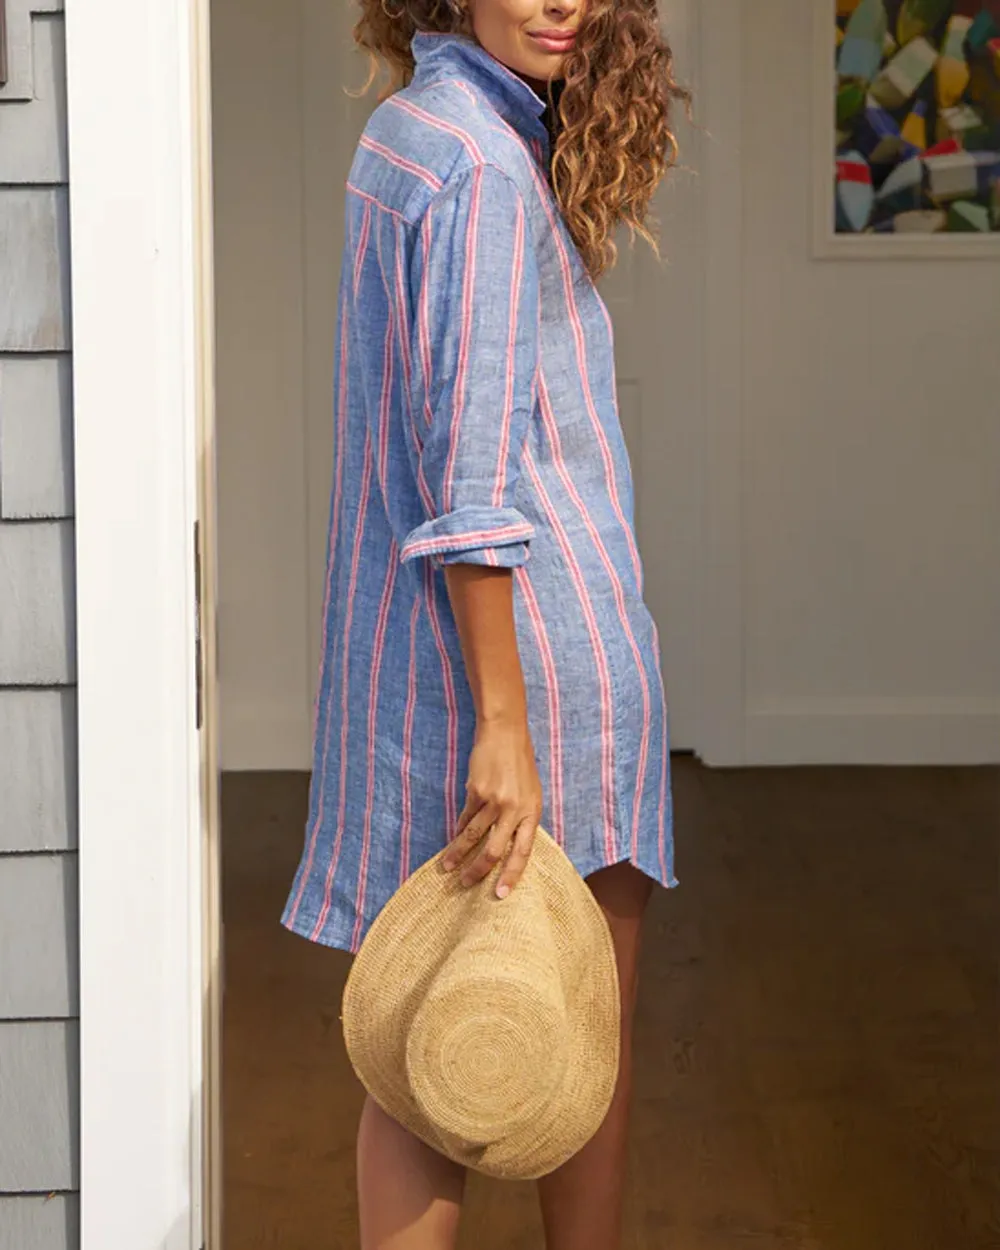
x,y
522,988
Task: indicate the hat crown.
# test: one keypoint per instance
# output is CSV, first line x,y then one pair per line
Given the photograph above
x,y
489,1043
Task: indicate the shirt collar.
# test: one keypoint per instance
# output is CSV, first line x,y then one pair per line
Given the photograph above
x,y
440,56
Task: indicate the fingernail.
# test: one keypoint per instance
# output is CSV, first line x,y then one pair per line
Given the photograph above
x,y
449,865
503,891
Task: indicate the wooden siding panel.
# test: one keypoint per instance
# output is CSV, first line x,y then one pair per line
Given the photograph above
x,y
40,1223
37,770
20,69
36,437
33,134
39,1106
39,1059
37,635
38,936
34,269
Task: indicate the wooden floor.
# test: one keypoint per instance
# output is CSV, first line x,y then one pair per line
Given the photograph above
x,y
818,1058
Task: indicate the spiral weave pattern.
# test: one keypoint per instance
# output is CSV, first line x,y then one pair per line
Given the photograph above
x,y
490,1029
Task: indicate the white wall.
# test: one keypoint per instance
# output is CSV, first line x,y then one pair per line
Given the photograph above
x,y
871,464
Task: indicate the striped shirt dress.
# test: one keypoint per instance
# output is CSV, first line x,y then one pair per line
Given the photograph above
x,y
475,421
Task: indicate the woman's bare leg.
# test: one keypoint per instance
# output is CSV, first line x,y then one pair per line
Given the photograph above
x,y
410,1197
582,1202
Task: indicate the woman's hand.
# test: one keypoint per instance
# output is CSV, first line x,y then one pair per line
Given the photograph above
x,y
504,805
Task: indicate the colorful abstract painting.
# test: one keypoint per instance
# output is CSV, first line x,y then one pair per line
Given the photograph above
x,y
917,106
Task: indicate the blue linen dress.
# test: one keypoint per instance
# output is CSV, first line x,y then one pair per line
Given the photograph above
x,y
475,422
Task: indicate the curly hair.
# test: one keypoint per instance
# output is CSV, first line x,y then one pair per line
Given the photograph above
x,y
610,118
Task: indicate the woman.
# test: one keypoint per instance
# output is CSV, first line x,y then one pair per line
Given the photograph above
x,y
468,693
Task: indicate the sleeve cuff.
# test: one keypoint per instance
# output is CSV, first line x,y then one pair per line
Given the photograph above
x,y
497,537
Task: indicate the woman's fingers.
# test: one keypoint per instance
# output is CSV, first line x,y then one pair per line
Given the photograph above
x,y
491,854
473,825
473,804
507,838
524,840
504,793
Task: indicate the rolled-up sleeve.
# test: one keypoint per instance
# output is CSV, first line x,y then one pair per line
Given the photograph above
x,y
475,358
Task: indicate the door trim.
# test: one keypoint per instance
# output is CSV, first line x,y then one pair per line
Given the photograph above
x,y
138,111
210,832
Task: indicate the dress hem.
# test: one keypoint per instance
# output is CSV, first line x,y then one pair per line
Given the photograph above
x,y
335,937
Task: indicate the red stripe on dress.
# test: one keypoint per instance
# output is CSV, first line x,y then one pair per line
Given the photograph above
x,y
465,339
378,648
407,761
458,82
385,405
465,89
448,681
371,199
552,430
516,277
401,162
662,835
438,123
334,531
404,351
366,481
523,580
470,538
600,659
362,251
423,319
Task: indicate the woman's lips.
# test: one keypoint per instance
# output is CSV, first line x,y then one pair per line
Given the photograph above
x,y
554,41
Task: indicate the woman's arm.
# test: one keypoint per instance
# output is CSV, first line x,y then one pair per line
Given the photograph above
x,y
504,790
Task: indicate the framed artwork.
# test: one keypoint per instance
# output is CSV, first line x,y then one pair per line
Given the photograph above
x,y
907,128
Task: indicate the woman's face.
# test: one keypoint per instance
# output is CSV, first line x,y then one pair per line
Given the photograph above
x,y
531,37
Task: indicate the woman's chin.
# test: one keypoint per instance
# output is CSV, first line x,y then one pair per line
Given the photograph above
x,y
541,71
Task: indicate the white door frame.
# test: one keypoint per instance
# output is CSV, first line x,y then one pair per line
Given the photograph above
x,y
138,111
141,262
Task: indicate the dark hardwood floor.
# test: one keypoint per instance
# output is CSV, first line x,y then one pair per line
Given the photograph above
x,y
818,1041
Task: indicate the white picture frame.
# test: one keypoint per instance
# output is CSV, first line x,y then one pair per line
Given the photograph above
x,y
827,243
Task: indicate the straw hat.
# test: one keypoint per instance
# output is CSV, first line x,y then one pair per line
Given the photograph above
x,y
490,1029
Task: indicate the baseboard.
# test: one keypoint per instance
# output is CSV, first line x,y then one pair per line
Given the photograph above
x,y
261,737
257,737
874,731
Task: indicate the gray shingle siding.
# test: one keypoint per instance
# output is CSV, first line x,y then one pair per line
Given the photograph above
x,y
39,983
